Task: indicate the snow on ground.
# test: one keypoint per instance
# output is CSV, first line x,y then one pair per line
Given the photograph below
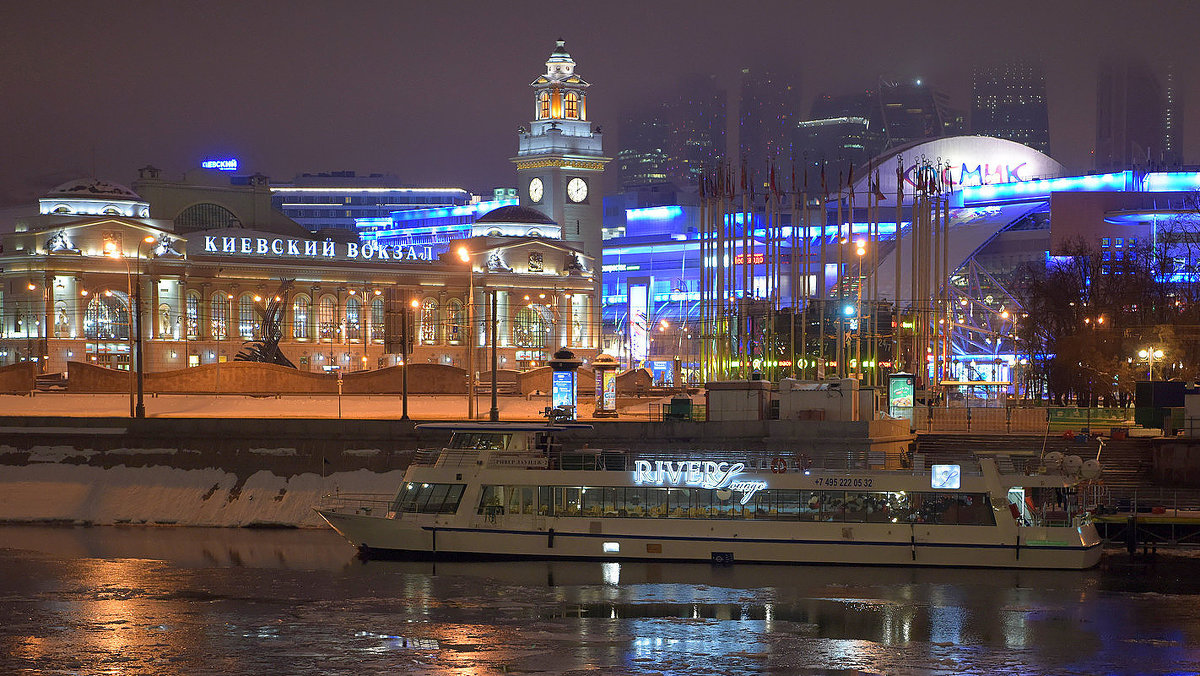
x,y
420,407
166,495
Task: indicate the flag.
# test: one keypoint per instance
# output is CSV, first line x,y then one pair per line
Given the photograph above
x,y
879,194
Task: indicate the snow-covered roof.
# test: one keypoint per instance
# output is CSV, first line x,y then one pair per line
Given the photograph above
x,y
94,187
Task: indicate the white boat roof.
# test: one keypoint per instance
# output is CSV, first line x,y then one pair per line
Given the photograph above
x,y
501,427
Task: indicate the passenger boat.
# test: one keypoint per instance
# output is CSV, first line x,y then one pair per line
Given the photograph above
x,y
509,490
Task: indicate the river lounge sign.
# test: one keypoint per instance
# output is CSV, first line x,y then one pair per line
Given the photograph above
x,y
721,476
285,247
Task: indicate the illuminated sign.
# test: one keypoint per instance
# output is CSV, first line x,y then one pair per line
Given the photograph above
x,y
1025,190
562,389
653,213
286,247
220,165
945,476
609,381
639,322
701,473
755,259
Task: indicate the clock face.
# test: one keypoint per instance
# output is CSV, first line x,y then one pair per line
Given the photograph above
x,y
535,190
577,190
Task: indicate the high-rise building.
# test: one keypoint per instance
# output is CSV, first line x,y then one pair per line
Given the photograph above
x,y
644,137
1172,119
1129,115
842,131
1008,100
675,139
913,111
768,107
697,121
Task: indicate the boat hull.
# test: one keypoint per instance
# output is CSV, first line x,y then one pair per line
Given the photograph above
x,y
882,544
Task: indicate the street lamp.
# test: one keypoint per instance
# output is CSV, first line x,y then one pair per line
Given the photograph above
x,y
1150,354
410,325
138,409
464,255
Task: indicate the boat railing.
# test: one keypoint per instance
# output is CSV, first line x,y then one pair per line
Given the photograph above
x,y
369,504
445,457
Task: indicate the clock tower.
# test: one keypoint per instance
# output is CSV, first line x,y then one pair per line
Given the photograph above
x,y
559,159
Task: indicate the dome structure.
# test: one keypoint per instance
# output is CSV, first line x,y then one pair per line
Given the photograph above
x,y
93,197
516,221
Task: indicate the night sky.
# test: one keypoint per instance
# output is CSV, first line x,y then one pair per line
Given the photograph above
x,y
434,91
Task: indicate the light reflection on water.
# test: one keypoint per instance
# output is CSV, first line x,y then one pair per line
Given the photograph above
x,y
186,601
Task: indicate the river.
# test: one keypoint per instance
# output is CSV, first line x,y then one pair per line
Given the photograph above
x,y
163,600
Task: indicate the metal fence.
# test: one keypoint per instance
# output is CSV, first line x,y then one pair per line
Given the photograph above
x,y
1011,419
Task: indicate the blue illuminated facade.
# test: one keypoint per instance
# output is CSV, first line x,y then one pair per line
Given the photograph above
x,y
434,227
658,247
338,199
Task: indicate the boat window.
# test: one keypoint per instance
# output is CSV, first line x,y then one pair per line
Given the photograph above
x,y
423,498
779,505
961,509
484,441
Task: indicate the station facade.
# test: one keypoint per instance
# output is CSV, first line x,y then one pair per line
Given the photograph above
x,y
209,258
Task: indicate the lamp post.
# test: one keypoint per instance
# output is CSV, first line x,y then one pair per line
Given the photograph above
x,y
494,412
409,325
1150,354
464,255
137,409
140,410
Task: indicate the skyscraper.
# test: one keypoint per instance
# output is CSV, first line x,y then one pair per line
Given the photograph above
x,y
697,121
913,111
643,143
1172,124
841,131
1008,101
768,108
1129,115
675,139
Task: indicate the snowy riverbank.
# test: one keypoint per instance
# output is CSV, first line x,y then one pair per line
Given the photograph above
x,y
54,492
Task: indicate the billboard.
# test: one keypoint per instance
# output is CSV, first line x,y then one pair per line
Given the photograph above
x,y
639,323
562,389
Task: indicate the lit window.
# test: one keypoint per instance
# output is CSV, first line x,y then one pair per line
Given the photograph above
x,y
612,547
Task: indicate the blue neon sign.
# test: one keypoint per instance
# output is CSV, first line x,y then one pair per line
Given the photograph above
x,y
220,165
1025,190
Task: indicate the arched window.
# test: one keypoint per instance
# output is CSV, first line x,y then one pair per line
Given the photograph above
x,y
300,310
111,211
166,327
62,322
353,319
572,106
205,216
193,315
429,322
247,320
530,329
543,111
377,322
107,317
218,310
327,318
457,321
